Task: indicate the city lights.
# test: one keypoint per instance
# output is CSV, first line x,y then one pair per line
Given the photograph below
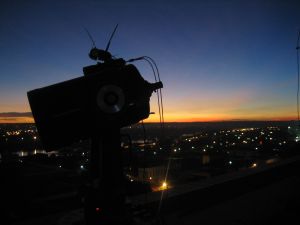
x,y
164,186
254,165
221,148
98,209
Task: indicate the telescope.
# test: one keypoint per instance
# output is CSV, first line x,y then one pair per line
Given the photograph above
x,y
111,93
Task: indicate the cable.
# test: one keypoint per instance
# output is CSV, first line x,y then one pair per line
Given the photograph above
x,y
160,106
157,93
151,62
160,103
161,118
156,78
149,59
154,63
160,91
162,125
144,157
162,109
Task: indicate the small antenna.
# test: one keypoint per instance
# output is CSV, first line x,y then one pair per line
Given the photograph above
x,y
113,33
90,36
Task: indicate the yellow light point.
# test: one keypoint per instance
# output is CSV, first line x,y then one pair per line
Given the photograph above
x,y
254,165
164,185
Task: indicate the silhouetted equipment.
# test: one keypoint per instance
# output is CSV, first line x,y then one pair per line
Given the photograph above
x,y
109,96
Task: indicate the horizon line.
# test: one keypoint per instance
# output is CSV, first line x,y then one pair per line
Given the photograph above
x,y
214,121
27,117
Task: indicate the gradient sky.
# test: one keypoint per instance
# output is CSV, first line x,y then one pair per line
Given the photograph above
x,y
219,60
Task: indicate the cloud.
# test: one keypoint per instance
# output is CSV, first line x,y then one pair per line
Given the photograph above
x,y
15,114
16,117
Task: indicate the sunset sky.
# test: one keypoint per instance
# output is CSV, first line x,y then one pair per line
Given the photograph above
x,y
219,60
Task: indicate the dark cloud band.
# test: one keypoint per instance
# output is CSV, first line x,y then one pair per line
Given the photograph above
x,y
15,114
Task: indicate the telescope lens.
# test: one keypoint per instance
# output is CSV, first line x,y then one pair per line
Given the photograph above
x,y
111,98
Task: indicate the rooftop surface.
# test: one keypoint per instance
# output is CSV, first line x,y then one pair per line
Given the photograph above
x,y
264,195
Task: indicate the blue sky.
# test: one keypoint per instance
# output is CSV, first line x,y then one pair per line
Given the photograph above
x,y
219,60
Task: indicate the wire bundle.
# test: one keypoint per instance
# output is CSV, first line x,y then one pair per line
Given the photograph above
x,y
159,91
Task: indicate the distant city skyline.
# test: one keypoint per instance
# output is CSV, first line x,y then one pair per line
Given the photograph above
x,y
219,60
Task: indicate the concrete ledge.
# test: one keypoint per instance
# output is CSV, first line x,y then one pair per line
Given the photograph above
x,y
259,193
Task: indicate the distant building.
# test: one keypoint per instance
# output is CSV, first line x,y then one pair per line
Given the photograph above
x,y
157,173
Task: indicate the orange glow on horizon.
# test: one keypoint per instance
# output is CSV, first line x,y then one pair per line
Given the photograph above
x,y
16,120
180,118
183,119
